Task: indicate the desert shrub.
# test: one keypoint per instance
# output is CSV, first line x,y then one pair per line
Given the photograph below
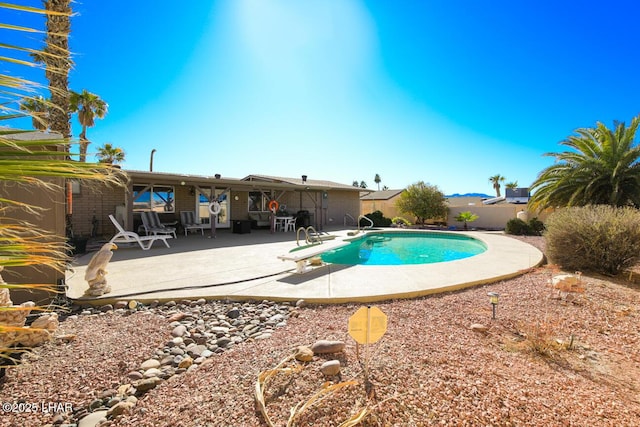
x,y
603,239
398,220
536,226
378,218
517,227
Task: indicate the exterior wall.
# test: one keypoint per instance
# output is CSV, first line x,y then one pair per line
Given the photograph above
x,y
100,200
489,216
387,207
52,220
97,200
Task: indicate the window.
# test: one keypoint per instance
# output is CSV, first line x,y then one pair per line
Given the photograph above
x,y
257,202
158,198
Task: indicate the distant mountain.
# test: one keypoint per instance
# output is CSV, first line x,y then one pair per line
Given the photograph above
x,y
484,196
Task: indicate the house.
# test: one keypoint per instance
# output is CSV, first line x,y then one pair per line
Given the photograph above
x,y
383,201
322,202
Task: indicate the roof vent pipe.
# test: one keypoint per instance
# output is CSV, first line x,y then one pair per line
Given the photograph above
x,y
304,179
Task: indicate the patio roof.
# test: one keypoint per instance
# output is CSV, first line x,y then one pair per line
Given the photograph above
x,y
248,183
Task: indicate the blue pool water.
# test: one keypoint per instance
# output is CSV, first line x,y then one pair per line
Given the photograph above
x,y
405,248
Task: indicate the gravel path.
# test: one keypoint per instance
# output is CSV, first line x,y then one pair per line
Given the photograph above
x,y
549,358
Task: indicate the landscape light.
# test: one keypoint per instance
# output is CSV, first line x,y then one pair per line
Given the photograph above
x,y
493,299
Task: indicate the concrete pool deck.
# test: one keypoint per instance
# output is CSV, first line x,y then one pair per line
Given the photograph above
x,y
246,267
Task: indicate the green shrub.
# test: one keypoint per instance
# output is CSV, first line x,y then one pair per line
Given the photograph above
x,y
518,227
603,239
378,218
398,220
536,226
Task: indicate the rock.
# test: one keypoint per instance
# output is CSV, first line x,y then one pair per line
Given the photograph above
x,y
147,383
223,342
478,327
106,307
196,350
134,375
301,303
107,393
92,419
179,331
234,313
153,372
120,304
176,317
120,408
304,354
330,368
150,363
326,346
48,321
185,363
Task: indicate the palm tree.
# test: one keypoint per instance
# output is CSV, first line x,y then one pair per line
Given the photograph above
x,y
57,60
363,184
22,242
465,217
377,180
601,168
511,185
88,106
38,108
110,154
495,180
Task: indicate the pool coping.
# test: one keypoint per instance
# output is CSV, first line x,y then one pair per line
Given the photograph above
x,y
253,272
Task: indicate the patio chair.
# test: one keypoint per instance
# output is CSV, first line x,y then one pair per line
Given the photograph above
x,y
290,224
152,225
189,223
145,242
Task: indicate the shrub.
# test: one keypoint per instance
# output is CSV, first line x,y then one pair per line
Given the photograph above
x,y
398,220
537,227
378,218
603,239
518,227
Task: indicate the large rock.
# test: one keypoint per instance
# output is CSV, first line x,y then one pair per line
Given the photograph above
x,y
330,368
304,354
326,346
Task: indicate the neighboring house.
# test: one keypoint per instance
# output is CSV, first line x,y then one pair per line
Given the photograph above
x,y
325,202
383,201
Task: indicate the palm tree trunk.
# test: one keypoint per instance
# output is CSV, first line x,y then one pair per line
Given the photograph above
x,y
58,64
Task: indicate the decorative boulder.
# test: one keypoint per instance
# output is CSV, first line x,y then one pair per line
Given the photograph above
x,y
330,368
304,354
326,347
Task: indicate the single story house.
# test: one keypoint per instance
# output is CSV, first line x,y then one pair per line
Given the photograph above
x,y
321,202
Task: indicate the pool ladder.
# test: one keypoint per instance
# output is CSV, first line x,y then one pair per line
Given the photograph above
x,y
311,236
366,226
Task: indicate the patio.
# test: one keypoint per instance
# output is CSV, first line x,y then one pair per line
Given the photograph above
x,y
245,267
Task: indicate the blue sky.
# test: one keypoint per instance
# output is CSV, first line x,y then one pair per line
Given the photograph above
x,y
446,92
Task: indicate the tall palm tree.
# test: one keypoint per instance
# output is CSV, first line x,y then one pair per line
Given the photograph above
x,y
110,154
377,180
601,168
38,108
511,185
57,60
88,106
495,180
28,163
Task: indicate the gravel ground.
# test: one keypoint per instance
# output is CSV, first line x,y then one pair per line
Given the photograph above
x,y
549,358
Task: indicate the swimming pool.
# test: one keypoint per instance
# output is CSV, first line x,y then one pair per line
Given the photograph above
x,y
402,248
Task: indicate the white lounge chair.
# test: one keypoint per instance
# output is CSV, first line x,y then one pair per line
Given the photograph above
x,y
188,220
145,242
152,225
